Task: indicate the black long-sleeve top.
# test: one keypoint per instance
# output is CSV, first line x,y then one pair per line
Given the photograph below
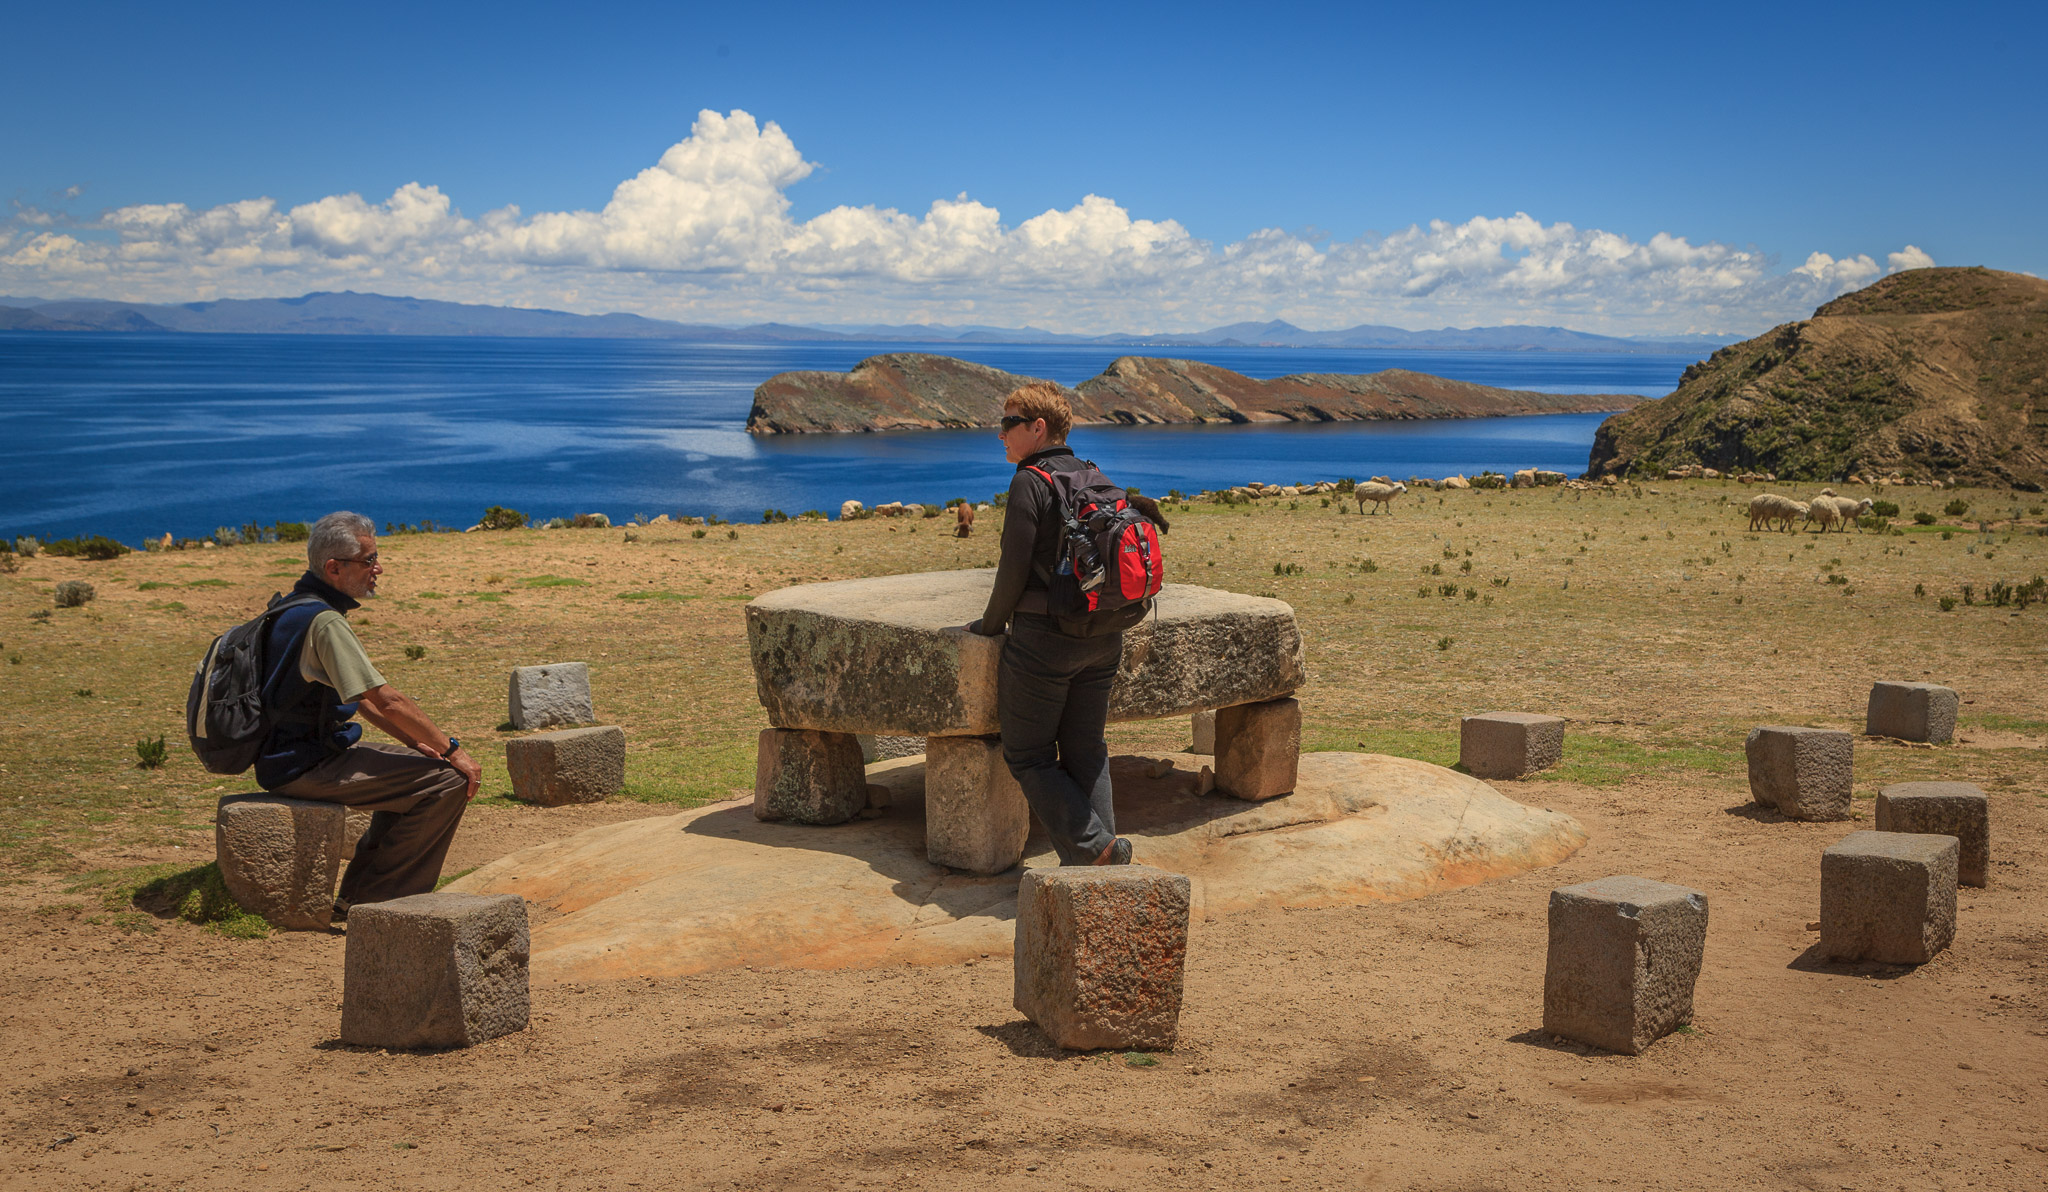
x,y
1031,540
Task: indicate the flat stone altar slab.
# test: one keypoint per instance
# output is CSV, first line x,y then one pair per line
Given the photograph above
x,y
714,888
891,655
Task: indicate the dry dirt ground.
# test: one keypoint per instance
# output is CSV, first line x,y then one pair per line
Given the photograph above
x,y
1390,1045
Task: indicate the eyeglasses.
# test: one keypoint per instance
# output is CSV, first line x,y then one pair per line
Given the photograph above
x,y
1013,421
369,560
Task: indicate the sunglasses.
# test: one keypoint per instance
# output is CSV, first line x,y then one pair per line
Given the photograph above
x,y
1013,421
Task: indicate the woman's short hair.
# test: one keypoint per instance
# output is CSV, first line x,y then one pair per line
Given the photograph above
x,y
1043,399
337,536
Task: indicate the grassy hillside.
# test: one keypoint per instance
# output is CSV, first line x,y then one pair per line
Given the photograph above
x,y
1931,373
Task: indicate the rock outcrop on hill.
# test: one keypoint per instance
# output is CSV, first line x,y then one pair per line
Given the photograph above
x,y
909,390
1932,374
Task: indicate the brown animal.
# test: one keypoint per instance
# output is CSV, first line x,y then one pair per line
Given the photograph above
x,y
963,520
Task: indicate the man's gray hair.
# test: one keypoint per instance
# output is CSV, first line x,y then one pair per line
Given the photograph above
x,y
336,537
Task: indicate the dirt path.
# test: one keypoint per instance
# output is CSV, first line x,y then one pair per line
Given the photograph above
x,y
1392,1045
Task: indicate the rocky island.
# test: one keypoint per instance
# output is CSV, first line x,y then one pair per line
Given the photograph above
x,y
916,391
1931,374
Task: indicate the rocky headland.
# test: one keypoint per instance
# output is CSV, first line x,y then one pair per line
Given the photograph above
x,y
1930,374
911,390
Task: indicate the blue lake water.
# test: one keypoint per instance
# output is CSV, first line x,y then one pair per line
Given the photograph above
x,y
138,435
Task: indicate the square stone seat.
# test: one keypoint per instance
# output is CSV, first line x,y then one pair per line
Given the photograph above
x,y
1912,712
1888,896
1957,809
1509,744
1806,773
1624,955
550,696
435,970
279,857
1100,950
570,765
890,655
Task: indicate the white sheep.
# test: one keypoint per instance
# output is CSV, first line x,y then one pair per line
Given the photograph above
x,y
1838,510
1380,494
1767,508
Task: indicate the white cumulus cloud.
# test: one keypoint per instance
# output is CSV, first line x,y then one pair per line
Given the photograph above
x,y
1909,257
706,233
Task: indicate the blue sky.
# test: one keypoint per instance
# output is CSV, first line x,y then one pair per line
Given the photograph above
x,y
1248,162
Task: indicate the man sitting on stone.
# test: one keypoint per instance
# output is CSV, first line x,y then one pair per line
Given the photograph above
x,y
320,677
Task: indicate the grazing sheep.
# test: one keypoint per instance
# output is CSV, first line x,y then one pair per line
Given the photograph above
x,y
1768,508
1379,494
1839,510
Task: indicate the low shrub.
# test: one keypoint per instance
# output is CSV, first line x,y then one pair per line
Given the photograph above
x,y
1948,604
697,533
815,515
150,753
196,895
73,592
590,521
732,535
497,517
415,652
27,548
770,516
96,548
1884,508
1956,508
2002,593
931,510
1445,643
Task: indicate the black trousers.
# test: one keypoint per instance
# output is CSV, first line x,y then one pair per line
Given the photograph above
x,y
1052,700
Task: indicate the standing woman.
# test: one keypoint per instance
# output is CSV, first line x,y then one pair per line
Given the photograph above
x,y
1052,690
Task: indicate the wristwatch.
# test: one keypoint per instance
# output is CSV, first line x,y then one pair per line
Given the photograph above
x,y
449,752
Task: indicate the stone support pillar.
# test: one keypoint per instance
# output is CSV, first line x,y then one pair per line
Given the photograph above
x,y
976,818
1258,748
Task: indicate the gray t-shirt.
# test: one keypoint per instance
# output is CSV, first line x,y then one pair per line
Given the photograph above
x,y
334,656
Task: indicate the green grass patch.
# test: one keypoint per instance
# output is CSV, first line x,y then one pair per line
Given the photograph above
x,y
692,775
151,585
490,597
1591,759
1599,759
173,890
1999,722
658,595
433,596
554,581
1438,747
167,606
208,583
454,877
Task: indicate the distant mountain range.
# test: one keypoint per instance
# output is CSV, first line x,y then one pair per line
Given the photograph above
x,y
349,313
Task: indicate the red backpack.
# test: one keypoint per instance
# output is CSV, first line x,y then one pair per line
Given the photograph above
x,y
1109,556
